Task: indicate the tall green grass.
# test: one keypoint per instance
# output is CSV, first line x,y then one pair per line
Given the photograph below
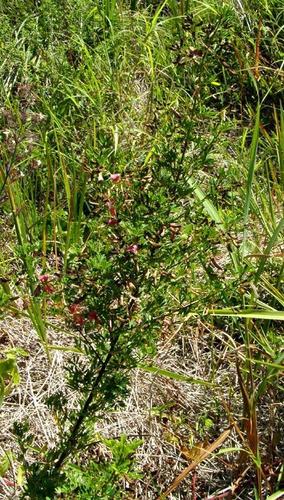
x,y
182,99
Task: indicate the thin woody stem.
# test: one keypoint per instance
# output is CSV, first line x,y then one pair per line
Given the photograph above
x,y
71,441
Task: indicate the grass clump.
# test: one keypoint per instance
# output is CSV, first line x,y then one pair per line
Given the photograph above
x,y
141,189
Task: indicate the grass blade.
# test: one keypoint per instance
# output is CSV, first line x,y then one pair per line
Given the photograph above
x,y
155,19
174,375
279,228
252,314
281,148
207,204
268,287
276,495
204,453
251,166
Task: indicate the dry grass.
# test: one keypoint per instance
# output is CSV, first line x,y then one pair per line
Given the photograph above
x,y
39,380
170,417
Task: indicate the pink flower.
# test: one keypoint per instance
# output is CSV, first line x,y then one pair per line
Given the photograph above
x,y
115,178
74,308
78,319
112,222
48,288
43,278
93,316
111,208
132,249
8,482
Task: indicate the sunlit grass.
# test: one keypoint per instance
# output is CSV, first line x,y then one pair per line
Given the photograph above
x,y
183,101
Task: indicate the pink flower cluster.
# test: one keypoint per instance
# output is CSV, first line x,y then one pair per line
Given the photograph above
x,y
46,286
112,221
116,178
77,312
132,249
